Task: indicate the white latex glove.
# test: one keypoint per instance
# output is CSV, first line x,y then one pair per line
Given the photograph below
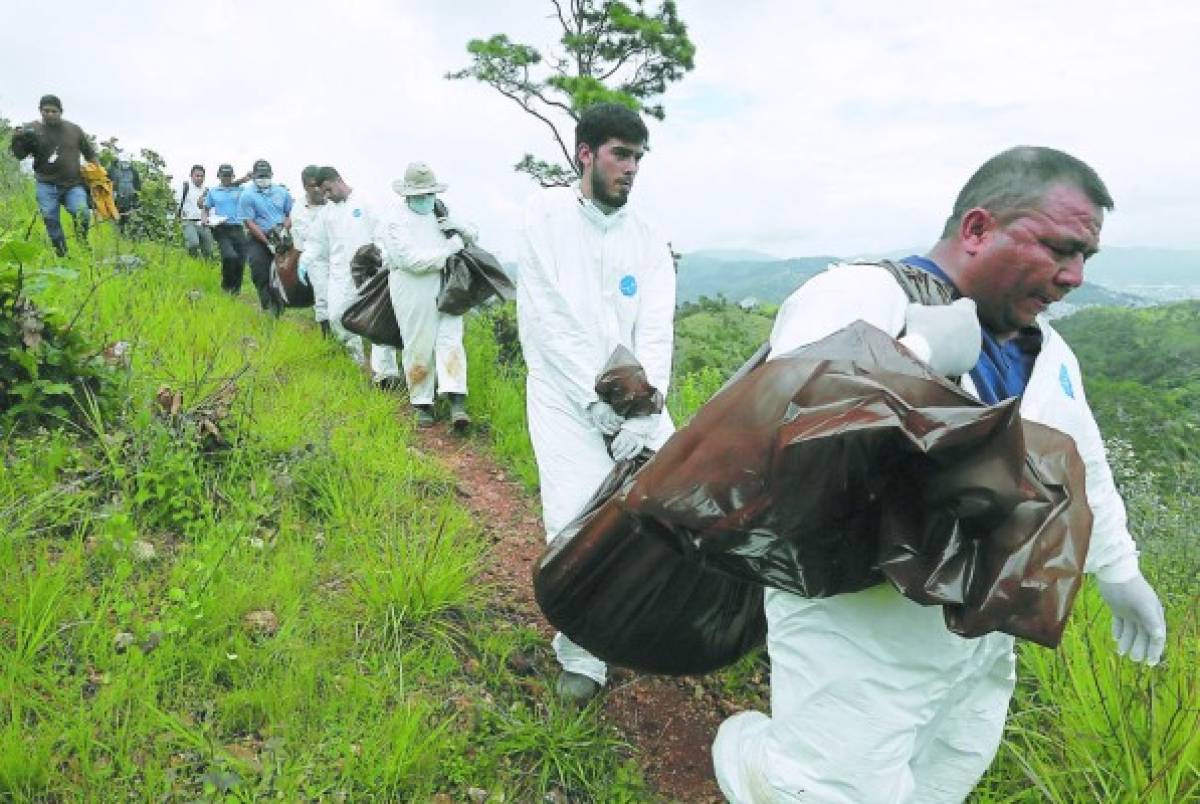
x,y
448,224
455,244
627,445
1138,623
947,337
607,420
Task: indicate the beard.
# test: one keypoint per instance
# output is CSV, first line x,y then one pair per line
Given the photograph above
x,y
601,194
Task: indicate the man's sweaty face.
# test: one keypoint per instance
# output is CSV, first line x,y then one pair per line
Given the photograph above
x,y
1035,259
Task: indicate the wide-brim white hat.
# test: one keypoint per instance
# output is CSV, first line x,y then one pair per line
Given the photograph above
x,y
419,179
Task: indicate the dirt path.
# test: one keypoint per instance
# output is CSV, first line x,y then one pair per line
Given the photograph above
x,y
670,722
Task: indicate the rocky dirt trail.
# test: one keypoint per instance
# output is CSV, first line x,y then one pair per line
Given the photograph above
x,y
670,722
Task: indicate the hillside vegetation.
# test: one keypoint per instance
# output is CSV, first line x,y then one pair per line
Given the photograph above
x,y
230,575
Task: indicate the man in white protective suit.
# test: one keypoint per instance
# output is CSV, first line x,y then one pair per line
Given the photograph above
x,y
311,270
593,276
345,225
418,245
873,699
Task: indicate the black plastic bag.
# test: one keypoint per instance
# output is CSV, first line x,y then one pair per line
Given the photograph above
x,y
471,277
371,314
366,262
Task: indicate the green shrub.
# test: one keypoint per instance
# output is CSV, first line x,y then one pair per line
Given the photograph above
x,y
46,367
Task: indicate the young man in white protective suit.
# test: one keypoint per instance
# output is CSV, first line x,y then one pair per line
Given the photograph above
x,y
593,276
346,223
872,698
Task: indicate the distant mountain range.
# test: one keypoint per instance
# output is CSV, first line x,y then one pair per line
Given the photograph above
x,y
1117,277
762,277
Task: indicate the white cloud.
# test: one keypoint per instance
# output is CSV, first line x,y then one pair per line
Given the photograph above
x,y
806,127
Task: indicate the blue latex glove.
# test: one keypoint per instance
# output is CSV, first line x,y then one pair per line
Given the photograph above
x,y
302,272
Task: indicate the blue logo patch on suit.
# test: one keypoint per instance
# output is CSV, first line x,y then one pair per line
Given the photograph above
x,y
1064,379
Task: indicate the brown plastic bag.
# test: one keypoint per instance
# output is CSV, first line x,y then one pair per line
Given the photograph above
x,y
829,470
617,582
371,314
285,283
471,277
623,384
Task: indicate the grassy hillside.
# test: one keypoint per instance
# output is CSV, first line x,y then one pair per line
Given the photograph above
x,y
234,577
1158,347
1143,373
718,338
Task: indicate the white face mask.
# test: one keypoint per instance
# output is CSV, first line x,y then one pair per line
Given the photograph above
x,y
262,183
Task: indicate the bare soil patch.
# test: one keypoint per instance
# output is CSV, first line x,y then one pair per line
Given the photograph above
x,y
670,722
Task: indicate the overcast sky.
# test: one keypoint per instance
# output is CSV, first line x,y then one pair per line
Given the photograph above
x,y
806,127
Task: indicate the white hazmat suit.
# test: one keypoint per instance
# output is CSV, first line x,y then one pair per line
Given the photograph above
x,y
873,699
336,233
314,269
434,358
588,282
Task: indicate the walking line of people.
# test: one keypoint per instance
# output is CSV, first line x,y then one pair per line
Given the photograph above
x,y
872,698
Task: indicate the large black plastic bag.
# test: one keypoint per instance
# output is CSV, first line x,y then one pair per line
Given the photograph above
x,y
471,277
839,466
366,262
371,314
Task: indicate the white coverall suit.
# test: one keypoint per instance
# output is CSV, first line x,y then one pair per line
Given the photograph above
x,y
588,282
873,699
341,229
316,270
434,357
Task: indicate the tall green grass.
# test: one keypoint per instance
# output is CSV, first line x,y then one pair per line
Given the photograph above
x,y
139,556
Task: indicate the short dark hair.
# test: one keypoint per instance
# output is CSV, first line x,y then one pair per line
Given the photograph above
x,y
309,174
1018,179
199,168
604,121
51,101
327,173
